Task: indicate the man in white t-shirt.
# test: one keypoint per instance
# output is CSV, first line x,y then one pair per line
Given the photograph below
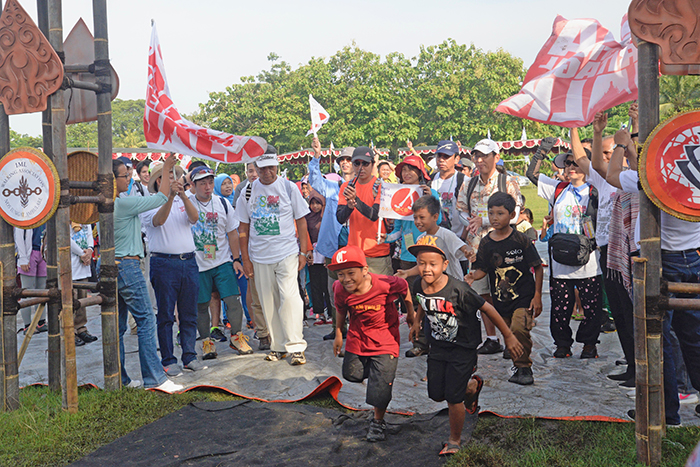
x,y
173,270
215,239
680,262
447,182
618,299
271,255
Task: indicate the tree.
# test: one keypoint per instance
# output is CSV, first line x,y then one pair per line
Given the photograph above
x,y
127,127
17,140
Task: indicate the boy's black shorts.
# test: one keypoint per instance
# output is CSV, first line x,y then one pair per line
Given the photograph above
x,y
378,370
449,374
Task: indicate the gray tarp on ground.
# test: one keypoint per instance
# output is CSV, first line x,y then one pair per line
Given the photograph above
x,y
563,388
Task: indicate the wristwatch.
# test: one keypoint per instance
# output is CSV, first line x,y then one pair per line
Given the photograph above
x,y
620,146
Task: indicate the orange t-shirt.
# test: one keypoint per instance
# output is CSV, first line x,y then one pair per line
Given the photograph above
x,y
362,232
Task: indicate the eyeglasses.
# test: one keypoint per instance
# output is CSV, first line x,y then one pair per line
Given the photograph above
x,y
122,176
343,159
361,163
569,163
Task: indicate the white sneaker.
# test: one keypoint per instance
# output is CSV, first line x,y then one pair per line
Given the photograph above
x,y
135,383
169,387
688,398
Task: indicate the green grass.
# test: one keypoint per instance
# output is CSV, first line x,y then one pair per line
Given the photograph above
x,y
539,206
536,443
41,433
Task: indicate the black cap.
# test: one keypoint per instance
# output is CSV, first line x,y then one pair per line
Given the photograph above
x,y
363,153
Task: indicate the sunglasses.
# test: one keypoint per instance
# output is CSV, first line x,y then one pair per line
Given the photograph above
x,y
569,163
361,163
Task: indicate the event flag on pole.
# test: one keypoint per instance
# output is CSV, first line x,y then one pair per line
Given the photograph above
x,y
167,130
396,201
580,70
319,116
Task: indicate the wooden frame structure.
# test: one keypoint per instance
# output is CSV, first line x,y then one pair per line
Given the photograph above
x,y
59,292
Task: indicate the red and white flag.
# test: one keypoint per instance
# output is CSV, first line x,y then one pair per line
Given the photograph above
x,y
165,128
319,116
396,201
580,70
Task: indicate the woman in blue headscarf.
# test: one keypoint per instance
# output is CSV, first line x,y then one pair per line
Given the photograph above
x,y
223,186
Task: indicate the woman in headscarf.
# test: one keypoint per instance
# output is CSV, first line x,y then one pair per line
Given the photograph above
x,y
223,186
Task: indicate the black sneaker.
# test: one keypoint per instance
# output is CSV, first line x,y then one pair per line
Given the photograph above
x,y
264,343
522,376
562,352
490,347
330,336
416,352
506,354
630,383
217,335
632,413
87,337
79,342
42,326
621,376
608,326
377,431
589,351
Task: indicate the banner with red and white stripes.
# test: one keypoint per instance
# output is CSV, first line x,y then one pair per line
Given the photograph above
x,y
580,70
167,130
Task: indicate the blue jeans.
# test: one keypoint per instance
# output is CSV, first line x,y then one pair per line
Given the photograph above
x,y
133,297
681,267
176,281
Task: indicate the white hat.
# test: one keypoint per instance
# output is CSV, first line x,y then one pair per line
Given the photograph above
x,y
486,146
266,160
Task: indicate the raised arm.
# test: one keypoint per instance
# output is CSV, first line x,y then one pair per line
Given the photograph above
x,y
533,170
579,153
597,159
623,146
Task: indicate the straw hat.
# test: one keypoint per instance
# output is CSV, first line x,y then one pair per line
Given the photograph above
x,y
157,171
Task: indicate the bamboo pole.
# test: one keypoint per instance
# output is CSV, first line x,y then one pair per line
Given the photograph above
x,y
69,376
54,307
650,422
683,288
31,302
30,333
105,180
10,378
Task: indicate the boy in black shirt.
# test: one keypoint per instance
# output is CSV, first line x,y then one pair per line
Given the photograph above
x,y
454,333
508,256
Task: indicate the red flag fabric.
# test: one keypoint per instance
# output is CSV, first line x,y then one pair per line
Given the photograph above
x,y
166,129
319,116
580,70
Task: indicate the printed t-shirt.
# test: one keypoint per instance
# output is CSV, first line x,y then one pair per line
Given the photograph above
x,y
567,211
508,264
271,212
83,239
453,317
450,243
606,197
175,235
210,232
373,328
446,191
362,232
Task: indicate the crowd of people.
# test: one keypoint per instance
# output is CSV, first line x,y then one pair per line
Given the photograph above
x,y
196,251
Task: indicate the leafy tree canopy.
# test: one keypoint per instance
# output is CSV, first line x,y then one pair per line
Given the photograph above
x,y
127,127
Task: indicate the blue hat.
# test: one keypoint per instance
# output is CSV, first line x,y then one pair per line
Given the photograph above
x,y
201,172
127,162
447,147
500,162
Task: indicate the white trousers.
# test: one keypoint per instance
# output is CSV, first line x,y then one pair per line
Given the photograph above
x,y
282,305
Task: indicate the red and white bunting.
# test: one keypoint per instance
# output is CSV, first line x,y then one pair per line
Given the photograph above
x,y
319,116
396,201
166,129
580,70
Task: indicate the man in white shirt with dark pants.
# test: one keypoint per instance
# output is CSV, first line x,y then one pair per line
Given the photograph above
x,y
271,254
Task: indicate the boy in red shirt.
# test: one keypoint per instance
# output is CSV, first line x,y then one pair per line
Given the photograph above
x,y
372,342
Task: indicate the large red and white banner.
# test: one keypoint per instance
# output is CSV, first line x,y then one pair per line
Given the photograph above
x,y
396,201
580,70
165,128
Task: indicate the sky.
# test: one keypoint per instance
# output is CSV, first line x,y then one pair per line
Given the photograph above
x,y
208,45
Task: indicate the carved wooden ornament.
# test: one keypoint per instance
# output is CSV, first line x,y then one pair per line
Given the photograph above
x,y
30,69
674,25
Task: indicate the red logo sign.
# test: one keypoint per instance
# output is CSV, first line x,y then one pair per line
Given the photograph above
x,y
669,169
402,201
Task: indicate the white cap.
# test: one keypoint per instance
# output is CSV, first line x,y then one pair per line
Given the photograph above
x,y
486,146
266,160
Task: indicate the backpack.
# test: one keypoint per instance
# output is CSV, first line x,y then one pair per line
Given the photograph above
x,y
574,249
502,187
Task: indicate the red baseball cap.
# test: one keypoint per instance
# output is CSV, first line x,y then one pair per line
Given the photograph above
x,y
347,257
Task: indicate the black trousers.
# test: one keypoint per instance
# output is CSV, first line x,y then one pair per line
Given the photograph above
x,y
318,278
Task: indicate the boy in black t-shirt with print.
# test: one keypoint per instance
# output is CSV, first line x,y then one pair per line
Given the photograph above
x,y
454,332
509,258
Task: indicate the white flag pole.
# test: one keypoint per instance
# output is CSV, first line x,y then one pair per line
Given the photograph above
x,y
379,229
